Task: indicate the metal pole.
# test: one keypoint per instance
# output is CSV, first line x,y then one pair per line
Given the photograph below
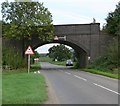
x,y
28,63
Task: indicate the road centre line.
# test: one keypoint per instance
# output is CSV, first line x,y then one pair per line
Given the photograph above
x,y
80,78
106,88
67,73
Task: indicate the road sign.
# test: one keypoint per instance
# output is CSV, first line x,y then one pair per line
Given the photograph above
x,y
60,38
29,50
56,38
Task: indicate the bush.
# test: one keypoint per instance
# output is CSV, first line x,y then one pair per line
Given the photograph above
x,y
109,61
11,58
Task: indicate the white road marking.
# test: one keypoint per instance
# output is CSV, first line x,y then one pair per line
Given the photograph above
x,y
106,88
67,73
80,78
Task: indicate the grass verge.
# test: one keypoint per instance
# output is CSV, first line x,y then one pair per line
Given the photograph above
x,y
35,67
19,87
104,73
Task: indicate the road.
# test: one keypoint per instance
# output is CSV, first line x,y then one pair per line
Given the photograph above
x,y
78,87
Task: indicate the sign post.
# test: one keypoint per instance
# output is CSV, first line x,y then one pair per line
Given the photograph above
x,y
29,52
28,63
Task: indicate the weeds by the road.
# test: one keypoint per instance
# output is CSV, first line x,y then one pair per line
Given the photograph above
x,y
35,67
19,87
104,73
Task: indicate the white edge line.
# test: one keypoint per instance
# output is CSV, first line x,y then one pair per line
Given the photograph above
x,y
67,73
80,78
106,88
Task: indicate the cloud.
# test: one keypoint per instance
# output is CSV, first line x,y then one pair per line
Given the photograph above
x,y
67,17
80,11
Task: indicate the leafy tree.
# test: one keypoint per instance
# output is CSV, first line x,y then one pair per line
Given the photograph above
x,y
22,20
113,22
112,52
25,19
59,52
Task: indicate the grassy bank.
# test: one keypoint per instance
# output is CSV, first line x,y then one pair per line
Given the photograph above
x,y
103,72
19,87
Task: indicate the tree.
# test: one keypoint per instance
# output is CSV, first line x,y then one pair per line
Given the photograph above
x,y
22,20
113,53
113,22
59,52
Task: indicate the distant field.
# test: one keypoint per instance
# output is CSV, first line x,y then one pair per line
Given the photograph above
x,y
47,59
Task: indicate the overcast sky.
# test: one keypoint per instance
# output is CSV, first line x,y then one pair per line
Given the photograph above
x,y
78,11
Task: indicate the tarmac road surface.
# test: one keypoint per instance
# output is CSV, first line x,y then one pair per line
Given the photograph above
x,y
78,87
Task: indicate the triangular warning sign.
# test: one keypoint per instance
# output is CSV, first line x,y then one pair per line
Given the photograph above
x,y
29,50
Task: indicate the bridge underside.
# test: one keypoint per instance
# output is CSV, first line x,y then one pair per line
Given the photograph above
x,y
81,55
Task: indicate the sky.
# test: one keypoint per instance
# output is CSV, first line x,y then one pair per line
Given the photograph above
x,y
77,12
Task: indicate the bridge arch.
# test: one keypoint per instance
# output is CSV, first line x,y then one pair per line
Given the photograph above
x,y
81,52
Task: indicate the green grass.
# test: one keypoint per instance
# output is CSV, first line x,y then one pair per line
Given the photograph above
x,y
101,72
35,67
23,88
45,59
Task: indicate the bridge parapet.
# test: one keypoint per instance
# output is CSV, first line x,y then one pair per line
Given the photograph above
x,y
77,29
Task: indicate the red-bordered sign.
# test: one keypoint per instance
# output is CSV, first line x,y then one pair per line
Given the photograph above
x,y
29,50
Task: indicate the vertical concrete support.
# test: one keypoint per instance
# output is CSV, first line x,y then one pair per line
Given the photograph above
x,y
94,41
81,59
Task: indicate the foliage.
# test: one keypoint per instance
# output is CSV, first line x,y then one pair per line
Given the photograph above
x,y
109,61
113,22
112,52
35,55
11,58
101,72
59,52
24,19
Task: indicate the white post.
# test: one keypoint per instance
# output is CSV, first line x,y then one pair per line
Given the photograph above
x,y
28,63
